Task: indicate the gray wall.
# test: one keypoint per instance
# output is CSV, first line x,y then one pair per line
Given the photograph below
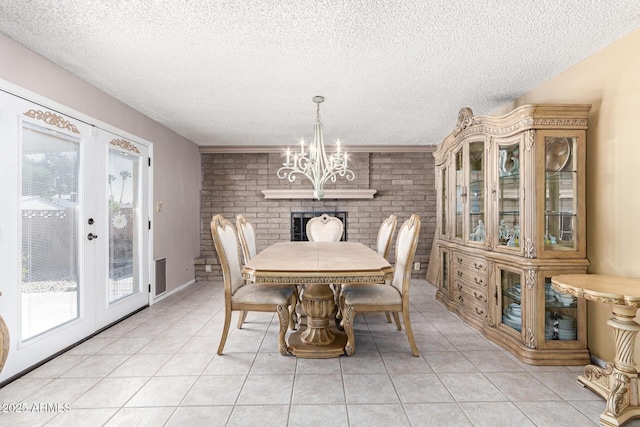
x,y
232,184
176,177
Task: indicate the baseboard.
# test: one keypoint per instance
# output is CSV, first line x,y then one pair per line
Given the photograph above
x,y
159,298
597,361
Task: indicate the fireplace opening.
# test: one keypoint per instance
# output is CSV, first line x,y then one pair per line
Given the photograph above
x,y
299,224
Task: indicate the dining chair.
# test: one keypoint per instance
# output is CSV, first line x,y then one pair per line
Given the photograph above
x,y
383,247
247,237
241,296
324,228
382,297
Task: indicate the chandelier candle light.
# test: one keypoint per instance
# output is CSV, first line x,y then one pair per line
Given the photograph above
x,y
314,163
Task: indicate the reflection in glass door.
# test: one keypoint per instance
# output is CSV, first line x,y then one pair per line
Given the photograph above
x,y
50,252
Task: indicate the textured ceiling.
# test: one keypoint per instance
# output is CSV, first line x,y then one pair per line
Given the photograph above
x,y
244,72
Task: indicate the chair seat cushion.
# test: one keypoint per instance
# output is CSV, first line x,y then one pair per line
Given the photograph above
x,y
371,295
258,294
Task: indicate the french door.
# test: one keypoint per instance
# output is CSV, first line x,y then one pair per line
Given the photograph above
x,y
74,235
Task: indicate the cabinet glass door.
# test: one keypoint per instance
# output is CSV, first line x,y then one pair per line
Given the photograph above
x,y
476,191
444,199
510,284
460,194
560,189
560,314
444,268
508,195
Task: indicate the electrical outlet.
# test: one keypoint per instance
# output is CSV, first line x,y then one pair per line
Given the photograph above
x,y
416,266
207,268
159,206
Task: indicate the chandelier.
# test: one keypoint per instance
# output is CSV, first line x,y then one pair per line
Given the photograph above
x,y
314,162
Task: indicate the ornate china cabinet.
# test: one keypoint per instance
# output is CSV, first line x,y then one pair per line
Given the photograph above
x,y
510,215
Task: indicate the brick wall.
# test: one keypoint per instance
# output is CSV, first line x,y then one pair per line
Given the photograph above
x,y
232,184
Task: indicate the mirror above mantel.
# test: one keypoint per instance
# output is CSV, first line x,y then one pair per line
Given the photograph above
x,y
288,193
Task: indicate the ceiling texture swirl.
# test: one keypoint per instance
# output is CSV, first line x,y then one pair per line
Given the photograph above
x,y
243,73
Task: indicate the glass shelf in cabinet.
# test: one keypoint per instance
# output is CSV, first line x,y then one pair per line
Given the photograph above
x,y
569,174
510,177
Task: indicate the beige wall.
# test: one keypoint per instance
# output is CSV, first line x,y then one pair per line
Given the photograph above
x,y
176,177
610,81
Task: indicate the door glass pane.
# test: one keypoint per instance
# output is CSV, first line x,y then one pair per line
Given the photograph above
x,y
561,312
445,202
509,195
476,191
460,194
560,193
123,220
444,257
511,299
50,264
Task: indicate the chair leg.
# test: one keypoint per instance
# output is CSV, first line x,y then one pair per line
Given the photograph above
x,y
284,318
242,316
225,329
396,318
348,316
409,331
388,317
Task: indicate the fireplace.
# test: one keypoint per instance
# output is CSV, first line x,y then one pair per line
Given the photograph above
x,y
299,223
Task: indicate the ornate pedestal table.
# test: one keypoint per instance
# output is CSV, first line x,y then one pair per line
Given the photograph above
x,y
617,383
317,265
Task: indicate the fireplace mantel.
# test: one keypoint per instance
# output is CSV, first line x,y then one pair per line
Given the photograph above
x,y
288,193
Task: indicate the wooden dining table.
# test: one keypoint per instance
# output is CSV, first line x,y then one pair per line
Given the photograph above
x,y
316,266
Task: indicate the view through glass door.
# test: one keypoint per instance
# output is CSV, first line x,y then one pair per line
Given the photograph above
x,y
126,202
50,256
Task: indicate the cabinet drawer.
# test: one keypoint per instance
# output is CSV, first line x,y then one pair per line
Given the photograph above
x,y
473,278
470,293
472,303
470,263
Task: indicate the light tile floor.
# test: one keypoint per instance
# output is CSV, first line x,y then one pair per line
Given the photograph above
x,y
159,368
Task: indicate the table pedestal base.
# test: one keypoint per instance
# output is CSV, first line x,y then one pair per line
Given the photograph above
x,y
318,340
617,383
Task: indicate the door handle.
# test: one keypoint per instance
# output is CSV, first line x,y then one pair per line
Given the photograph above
x,y
92,236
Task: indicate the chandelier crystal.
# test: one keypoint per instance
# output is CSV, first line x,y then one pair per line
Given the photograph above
x,y
314,163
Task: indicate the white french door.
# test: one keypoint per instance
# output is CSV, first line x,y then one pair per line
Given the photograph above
x,y
122,204
73,241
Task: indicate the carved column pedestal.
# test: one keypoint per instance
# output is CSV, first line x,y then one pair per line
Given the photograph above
x,y
318,340
618,383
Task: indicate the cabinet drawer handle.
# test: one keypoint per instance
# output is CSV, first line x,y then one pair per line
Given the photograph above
x,y
476,265
460,260
480,312
460,273
460,298
478,281
480,297
459,286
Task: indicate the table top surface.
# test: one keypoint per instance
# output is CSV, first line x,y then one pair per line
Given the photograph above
x,y
318,262
601,288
